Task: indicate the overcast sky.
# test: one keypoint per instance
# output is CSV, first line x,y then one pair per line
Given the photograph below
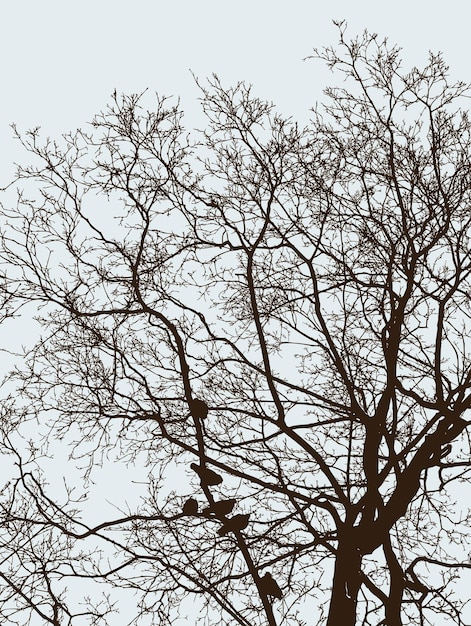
x,y
62,60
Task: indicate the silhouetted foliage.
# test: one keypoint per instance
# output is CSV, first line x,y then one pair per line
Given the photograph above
x,y
309,285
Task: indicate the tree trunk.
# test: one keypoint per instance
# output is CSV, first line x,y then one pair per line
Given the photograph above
x,y
345,586
393,604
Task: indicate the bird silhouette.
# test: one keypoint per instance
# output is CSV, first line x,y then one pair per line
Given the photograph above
x,y
207,476
238,522
199,408
190,507
270,587
223,507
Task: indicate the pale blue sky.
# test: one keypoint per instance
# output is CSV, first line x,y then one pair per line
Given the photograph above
x,y
61,60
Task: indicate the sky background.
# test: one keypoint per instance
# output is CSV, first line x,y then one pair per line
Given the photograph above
x,y
61,60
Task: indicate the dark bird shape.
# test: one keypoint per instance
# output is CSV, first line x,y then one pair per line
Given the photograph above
x,y
223,507
199,409
207,476
270,587
238,522
190,507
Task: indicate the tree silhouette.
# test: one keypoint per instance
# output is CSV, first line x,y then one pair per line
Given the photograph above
x,y
269,316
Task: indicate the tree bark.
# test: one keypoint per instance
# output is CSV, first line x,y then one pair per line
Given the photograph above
x,y
346,584
393,605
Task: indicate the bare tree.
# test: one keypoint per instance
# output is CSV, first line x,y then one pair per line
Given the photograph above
x,y
273,320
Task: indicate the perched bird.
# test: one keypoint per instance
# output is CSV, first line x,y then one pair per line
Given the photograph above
x,y
190,507
223,507
270,587
207,476
238,522
199,409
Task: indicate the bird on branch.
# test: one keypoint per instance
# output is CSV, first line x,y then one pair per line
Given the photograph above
x,y
207,476
270,587
234,524
190,507
199,409
218,509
